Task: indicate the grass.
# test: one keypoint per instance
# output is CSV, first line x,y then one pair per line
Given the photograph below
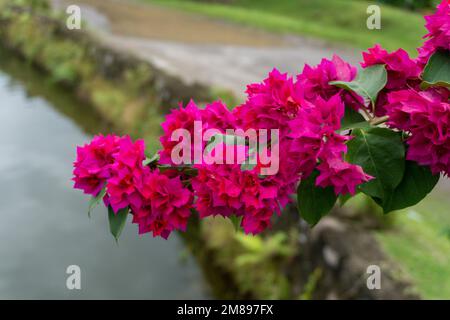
x,y
420,243
340,21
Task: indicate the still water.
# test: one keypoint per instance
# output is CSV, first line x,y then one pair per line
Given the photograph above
x,y
44,225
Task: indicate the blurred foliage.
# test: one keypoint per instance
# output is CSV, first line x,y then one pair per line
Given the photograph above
x,y
412,4
226,96
340,21
257,264
33,4
311,284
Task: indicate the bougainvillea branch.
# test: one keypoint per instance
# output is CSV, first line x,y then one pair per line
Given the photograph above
x,y
304,135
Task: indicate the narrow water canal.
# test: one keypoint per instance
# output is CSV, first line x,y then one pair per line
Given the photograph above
x,y
44,225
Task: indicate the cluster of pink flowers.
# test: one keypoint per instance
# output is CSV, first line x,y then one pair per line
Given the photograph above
x,y
165,203
316,141
307,120
93,164
403,72
314,81
159,201
425,116
438,36
307,112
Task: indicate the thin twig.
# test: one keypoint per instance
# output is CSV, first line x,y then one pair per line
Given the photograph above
x,y
379,120
362,107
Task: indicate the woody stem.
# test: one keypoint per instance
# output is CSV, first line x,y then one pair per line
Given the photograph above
x,y
378,120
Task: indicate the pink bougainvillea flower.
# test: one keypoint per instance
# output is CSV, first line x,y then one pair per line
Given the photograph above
x,y
426,115
256,221
126,173
166,204
438,36
315,139
130,154
400,67
217,116
226,190
181,118
313,82
313,129
218,190
269,105
403,72
323,116
272,104
343,176
196,121
92,166
121,187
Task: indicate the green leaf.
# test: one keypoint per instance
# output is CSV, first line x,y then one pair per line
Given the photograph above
x,y
236,221
417,182
96,200
117,221
381,154
367,84
357,125
314,202
437,70
352,118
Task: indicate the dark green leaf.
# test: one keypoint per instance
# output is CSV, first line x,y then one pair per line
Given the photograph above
x,y
314,202
417,182
352,118
367,83
437,70
236,221
96,200
381,154
357,125
117,221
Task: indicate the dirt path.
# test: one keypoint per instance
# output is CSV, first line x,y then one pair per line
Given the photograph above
x,y
196,48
